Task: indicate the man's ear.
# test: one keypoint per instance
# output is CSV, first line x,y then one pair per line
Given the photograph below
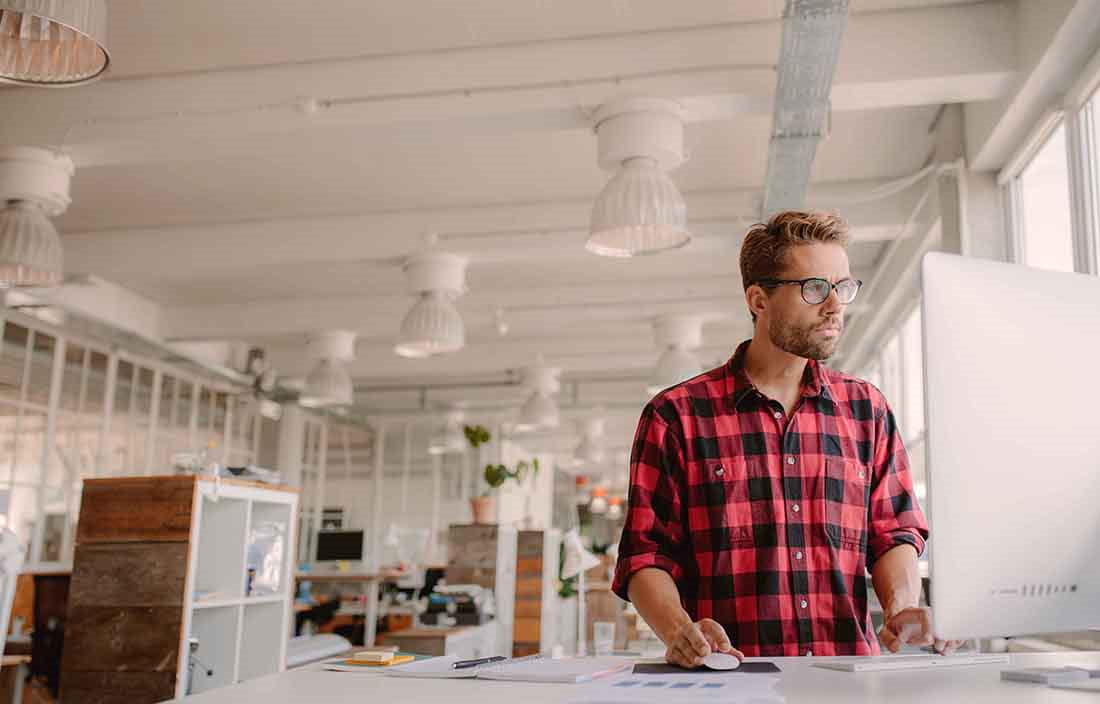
x,y
757,299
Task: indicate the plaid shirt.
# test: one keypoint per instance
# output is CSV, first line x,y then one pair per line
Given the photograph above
x,y
768,525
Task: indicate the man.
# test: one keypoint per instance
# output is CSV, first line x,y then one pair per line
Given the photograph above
x,y
762,491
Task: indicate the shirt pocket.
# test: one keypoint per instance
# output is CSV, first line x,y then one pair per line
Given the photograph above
x,y
735,497
847,492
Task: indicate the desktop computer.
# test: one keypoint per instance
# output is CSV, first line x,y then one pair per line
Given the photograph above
x,y
340,545
1013,447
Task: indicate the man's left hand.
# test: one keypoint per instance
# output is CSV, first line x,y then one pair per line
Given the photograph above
x,y
913,626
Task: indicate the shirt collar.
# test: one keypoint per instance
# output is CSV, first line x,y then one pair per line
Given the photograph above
x,y
739,387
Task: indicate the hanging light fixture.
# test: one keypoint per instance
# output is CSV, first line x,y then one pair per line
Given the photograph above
x,y
590,450
540,410
614,508
329,384
433,325
640,211
53,42
598,504
34,186
677,335
450,440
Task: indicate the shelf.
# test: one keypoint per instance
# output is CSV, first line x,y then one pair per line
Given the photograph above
x,y
220,554
266,599
262,640
219,603
215,603
216,631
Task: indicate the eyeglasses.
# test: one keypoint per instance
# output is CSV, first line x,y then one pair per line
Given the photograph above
x,y
816,290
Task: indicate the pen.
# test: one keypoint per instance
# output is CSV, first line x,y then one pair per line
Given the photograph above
x,y
461,664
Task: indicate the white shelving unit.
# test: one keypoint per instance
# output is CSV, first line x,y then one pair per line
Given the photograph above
x,y
240,635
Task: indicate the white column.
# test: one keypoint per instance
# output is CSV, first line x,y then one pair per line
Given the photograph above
x,y
376,518
437,490
291,441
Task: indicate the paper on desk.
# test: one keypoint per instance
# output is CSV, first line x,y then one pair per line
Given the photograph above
x,y
686,687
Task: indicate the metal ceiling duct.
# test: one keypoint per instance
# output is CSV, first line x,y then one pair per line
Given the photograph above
x,y
812,32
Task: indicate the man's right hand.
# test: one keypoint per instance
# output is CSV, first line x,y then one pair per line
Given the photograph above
x,y
694,641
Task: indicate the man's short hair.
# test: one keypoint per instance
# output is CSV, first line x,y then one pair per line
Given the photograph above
x,y
764,251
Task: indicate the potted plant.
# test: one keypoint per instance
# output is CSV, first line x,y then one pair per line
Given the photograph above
x,y
484,506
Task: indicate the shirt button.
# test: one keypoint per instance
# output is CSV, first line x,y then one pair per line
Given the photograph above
x,y
803,603
798,555
861,474
777,415
719,471
795,508
809,653
790,460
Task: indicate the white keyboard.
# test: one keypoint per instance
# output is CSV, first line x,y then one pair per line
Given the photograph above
x,y
909,662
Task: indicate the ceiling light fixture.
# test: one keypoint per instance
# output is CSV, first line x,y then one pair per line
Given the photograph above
x,y
598,505
329,384
677,335
640,211
34,186
591,450
540,410
53,42
433,325
451,439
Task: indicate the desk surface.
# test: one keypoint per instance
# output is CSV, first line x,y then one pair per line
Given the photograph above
x,y
800,683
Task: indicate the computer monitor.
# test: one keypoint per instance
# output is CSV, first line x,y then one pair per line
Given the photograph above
x,y
339,545
1013,447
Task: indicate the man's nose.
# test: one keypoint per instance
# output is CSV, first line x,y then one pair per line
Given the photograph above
x,y
832,304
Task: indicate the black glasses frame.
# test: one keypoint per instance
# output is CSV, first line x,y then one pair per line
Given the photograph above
x,y
770,283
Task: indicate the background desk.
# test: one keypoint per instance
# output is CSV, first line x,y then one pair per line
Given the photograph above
x,y
800,684
368,583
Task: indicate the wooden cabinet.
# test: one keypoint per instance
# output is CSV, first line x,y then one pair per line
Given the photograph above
x,y
535,626
163,560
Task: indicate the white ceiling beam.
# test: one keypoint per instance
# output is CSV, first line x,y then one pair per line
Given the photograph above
x,y
487,234
1057,41
929,55
529,311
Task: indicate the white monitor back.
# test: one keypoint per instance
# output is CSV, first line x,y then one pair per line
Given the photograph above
x,y
1013,448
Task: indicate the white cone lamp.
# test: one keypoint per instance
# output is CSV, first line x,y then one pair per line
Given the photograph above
x,y
540,410
640,211
677,336
53,42
433,325
34,187
450,440
614,508
329,384
590,451
577,561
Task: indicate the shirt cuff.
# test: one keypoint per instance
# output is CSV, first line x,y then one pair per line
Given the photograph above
x,y
882,544
628,565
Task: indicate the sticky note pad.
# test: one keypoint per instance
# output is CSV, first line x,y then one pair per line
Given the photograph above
x,y
371,657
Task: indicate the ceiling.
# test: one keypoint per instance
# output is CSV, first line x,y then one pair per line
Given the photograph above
x,y
260,169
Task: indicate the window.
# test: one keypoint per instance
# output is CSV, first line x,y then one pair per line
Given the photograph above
x,y
898,371
912,373
1042,202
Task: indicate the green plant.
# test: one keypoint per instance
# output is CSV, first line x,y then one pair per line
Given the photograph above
x,y
497,474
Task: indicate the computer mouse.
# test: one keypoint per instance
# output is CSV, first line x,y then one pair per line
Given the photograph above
x,y
721,661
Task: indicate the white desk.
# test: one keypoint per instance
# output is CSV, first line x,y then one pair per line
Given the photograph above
x,y
800,684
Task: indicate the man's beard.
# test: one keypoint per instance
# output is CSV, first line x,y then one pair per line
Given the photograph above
x,y
800,342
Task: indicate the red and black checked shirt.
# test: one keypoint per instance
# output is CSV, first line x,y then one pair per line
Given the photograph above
x,y
769,525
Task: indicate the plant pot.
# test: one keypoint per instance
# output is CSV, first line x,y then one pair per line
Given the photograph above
x,y
484,509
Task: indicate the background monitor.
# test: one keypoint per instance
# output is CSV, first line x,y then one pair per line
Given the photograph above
x,y
340,545
1012,394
